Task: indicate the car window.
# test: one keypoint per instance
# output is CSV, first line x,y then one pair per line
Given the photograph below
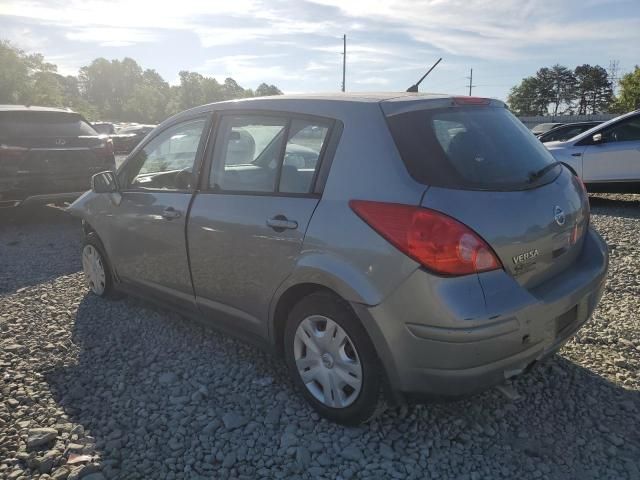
x,y
247,153
43,125
627,130
468,147
166,162
304,146
562,134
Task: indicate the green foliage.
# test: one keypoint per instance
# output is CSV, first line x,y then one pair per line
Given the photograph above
x,y
118,90
629,95
559,90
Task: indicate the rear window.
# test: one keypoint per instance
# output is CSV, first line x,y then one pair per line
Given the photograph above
x,y
43,124
468,148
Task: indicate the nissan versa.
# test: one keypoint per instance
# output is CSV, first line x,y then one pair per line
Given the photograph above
x,y
402,243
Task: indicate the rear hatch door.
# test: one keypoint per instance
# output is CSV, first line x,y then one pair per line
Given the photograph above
x,y
484,168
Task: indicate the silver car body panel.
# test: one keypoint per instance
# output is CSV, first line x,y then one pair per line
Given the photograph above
x,y
434,334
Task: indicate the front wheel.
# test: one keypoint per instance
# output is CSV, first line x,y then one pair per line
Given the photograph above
x,y
95,267
333,361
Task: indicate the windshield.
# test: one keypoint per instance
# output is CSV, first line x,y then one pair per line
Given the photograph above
x,y
468,148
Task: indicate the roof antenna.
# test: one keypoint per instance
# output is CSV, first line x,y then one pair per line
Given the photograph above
x,y
414,88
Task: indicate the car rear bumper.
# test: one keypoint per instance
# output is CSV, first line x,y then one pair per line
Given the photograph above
x,y
457,336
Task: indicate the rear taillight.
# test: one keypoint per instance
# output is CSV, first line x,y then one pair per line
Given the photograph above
x,y
12,151
583,188
435,240
105,148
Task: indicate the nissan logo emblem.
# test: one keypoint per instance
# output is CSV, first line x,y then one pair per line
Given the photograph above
x,y
558,215
60,141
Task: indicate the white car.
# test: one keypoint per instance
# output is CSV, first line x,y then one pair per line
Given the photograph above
x,y
607,157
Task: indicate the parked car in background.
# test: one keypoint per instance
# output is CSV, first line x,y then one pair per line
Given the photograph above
x,y
544,128
128,137
106,128
606,157
429,244
567,131
48,155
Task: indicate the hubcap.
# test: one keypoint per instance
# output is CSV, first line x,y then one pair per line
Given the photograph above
x,y
93,269
327,361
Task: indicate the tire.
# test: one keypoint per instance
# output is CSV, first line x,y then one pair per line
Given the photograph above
x,y
96,267
332,363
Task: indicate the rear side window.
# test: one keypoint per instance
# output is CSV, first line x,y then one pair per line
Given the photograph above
x,y
267,154
468,148
43,125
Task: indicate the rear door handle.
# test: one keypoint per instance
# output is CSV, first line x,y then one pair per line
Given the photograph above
x,y
170,213
280,223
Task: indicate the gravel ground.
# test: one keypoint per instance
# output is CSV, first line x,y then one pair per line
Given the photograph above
x,y
117,389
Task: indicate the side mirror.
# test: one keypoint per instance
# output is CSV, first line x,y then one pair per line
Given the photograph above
x,y
104,182
597,138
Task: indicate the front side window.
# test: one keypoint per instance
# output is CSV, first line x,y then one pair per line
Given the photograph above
x,y
268,154
167,161
627,130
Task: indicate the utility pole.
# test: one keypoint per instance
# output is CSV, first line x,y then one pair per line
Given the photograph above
x,y
471,85
344,61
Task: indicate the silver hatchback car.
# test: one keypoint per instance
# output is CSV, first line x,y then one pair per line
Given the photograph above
x,y
384,244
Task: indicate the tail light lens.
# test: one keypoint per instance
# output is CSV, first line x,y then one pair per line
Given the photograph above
x,y
437,241
105,148
12,151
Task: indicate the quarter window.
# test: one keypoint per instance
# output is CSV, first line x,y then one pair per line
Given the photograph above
x,y
167,161
306,140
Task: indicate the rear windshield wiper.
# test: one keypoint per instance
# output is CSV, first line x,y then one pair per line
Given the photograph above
x,y
533,176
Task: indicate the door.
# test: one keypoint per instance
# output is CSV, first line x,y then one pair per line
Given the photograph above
x,y
246,227
617,157
146,235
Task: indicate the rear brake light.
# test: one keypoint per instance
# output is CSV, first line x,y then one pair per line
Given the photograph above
x,y
471,101
13,151
435,240
105,148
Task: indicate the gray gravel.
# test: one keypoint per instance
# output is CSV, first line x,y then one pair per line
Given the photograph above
x,y
99,389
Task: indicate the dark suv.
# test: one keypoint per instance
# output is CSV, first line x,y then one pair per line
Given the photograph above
x,y
48,155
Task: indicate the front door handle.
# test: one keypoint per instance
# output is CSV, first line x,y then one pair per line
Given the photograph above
x,y
170,213
578,154
280,223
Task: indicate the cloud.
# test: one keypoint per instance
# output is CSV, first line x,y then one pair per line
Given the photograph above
x,y
373,81
387,40
111,37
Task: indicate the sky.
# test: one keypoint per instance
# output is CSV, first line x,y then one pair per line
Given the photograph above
x,y
297,45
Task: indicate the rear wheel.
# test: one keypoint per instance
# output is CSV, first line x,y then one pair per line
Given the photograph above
x,y
95,267
332,360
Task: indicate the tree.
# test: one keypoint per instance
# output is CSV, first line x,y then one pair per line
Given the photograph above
x,y
264,90
629,95
594,90
557,88
524,99
110,89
